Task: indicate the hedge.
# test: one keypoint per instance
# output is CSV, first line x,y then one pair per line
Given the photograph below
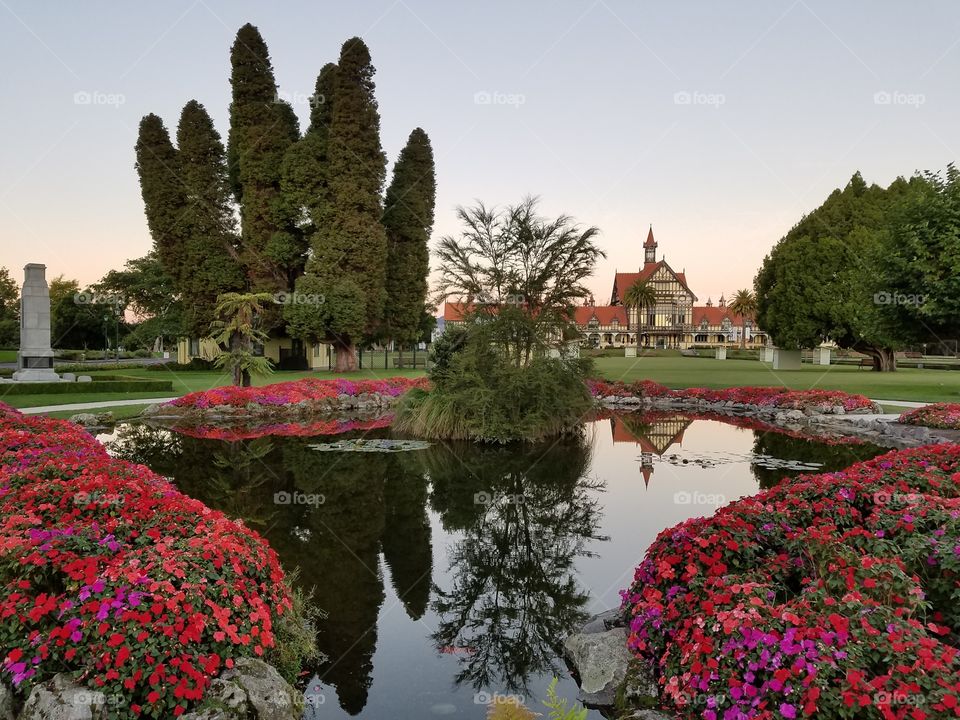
x,y
97,386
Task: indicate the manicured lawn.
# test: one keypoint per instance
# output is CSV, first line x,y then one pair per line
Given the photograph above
x,y
25,401
8,356
679,371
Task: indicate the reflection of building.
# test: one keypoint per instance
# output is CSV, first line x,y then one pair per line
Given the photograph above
x,y
654,436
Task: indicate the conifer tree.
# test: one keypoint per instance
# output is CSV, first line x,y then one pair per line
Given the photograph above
x,y
212,246
408,219
164,197
348,264
262,129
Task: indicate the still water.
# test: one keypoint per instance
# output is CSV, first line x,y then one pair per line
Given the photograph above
x,y
449,574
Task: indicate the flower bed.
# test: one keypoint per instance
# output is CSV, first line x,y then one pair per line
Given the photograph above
x,y
111,575
295,391
832,594
761,397
937,415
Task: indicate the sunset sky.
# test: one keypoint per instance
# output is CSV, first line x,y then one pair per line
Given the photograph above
x,y
719,123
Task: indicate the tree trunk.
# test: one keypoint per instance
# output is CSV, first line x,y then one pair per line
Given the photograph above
x,y
346,355
884,359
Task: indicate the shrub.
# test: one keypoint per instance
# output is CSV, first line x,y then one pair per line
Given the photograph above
x,y
111,575
830,594
97,386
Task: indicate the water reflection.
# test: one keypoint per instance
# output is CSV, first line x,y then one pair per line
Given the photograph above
x,y
512,594
463,562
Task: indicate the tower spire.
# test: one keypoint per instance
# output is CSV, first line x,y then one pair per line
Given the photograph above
x,y
650,247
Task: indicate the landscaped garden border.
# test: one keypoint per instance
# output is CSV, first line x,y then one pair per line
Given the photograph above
x,y
830,594
937,415
112,576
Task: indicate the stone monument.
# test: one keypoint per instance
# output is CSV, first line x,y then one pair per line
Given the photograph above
x,y
35,359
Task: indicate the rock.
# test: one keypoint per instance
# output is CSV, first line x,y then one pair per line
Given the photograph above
x,y
601,660
644,715
68,377
84,419
268,695
62,699
84,378
6,703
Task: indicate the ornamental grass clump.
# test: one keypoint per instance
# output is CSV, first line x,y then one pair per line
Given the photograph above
x,y
831,595
112,576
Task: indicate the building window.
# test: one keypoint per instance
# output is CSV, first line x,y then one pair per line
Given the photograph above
x,y
194,349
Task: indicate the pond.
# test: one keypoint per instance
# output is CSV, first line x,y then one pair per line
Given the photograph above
x,y
451,573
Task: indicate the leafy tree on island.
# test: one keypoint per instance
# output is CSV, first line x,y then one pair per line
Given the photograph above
x,y
408,219
744,304
262,129
347,265
238,330
640,295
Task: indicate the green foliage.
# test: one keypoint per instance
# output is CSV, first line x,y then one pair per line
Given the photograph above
x,y
148,291
262,129
9,310
98,385
76,320
350,249
558,706
408,219
211,252
237,329
479,393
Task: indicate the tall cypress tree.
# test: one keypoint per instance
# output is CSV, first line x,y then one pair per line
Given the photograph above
x,y
164,196
262,129
305,165
212,254
348,263
408,219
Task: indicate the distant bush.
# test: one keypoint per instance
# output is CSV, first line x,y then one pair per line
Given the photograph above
x,y
195,365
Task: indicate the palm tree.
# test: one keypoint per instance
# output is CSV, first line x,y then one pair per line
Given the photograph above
x,y
640,295
744,303
237,331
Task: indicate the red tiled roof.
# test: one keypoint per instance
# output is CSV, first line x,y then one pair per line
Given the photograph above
x,y
715,315
623,281
454,311
605,314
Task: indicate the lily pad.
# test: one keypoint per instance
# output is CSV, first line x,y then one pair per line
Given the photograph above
x,y
372,445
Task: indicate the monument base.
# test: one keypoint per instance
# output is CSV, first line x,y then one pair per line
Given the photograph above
x,y
630,351
36,375
721,353
786,359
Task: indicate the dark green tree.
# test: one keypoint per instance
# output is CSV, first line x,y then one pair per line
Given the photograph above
x,y
164,195
823,281
262,129
305,164
9,310
148,292
348,264
408,219
81,320
212,254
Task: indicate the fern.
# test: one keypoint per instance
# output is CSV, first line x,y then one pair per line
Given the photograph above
x,y
558,706
507,707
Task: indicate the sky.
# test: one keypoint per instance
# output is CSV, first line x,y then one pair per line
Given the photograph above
x,y
720,124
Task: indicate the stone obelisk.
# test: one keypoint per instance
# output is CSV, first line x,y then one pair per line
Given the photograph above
x,y
35,359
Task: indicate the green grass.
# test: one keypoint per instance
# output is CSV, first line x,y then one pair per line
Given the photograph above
x,y
25,401
680,372
8,356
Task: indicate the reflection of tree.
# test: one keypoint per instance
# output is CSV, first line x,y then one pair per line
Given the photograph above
x,y
836,456
333,546
527,517
407,549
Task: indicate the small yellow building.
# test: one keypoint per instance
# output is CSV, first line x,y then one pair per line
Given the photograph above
x,y
280,350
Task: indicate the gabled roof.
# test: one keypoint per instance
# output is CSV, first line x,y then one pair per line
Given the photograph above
x,y
605,314
623,281
715,315
454,311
